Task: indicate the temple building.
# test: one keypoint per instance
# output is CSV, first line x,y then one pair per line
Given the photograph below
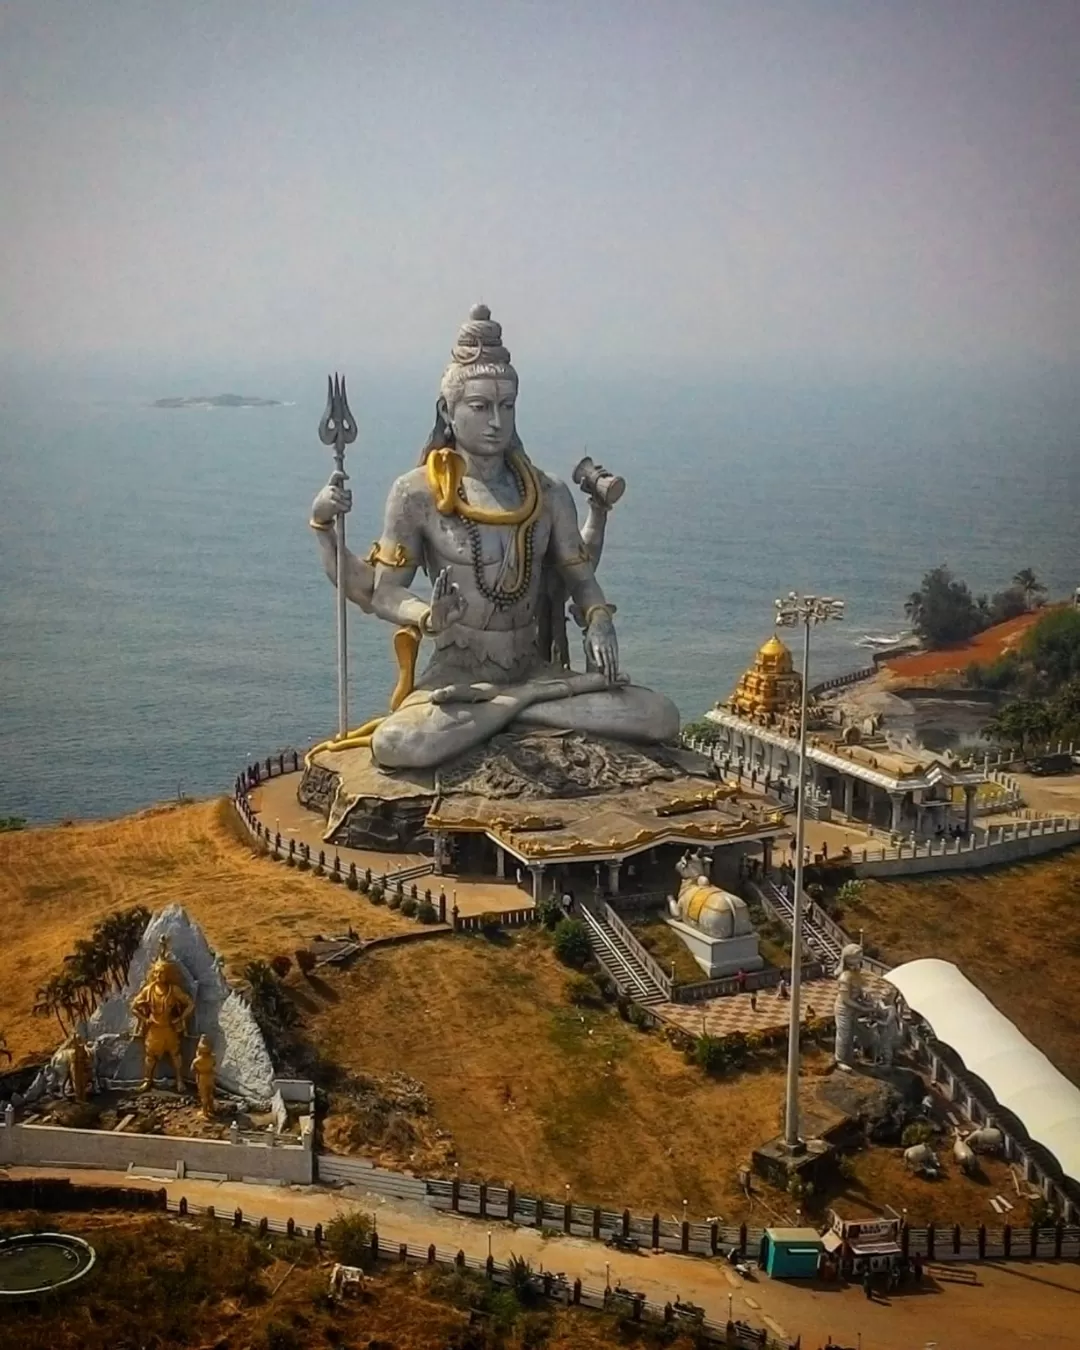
x,y
770,685
854,771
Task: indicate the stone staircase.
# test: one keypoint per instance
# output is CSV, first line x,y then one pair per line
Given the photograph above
x,y
624,959
821,941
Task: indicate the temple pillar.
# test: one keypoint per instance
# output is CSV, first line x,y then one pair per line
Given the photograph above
x,y
438,851
537,870
897,799
970,789
500,862
849,796
766,856
613,877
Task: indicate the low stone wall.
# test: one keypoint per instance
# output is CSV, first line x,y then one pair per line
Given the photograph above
x,y
58,1146
999,845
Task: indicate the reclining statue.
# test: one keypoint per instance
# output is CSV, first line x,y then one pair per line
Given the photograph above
x,y
485,525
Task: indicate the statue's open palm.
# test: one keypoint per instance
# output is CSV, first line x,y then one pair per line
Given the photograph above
x,y
448,605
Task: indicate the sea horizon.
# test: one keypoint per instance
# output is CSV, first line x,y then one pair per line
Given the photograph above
x,y
167,620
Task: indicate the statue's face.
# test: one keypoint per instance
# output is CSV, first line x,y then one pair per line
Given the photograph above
x,y
483,417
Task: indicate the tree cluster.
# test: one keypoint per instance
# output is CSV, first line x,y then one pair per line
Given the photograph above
x,y
944,612
96,967
1045,674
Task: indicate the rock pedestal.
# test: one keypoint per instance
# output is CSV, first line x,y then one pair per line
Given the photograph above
x,y
243,1061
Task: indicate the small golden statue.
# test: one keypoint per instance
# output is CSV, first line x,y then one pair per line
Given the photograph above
x,y
203,1066
162,1008
79,1067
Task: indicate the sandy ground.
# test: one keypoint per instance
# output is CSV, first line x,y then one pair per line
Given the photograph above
x,y
982,649
1017,1303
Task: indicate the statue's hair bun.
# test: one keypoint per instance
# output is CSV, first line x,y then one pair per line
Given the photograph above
x,y
479,339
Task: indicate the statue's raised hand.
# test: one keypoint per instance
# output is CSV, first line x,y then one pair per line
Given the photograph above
x,y
334,500
448,605
601,645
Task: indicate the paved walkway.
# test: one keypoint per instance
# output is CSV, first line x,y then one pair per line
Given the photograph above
x,y
277,807
735,1012
1013,1304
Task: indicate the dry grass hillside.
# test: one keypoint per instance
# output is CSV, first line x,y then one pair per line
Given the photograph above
x,y
538,1092
1014,931
56,883
530,1089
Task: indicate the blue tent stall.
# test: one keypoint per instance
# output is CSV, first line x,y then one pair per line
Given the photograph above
x,y
791,1253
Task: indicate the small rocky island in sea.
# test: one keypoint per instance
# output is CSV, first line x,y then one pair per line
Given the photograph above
x,y
218,401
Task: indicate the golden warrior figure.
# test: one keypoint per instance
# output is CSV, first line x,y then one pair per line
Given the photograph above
x,y
162,1008
204,1066
81,1068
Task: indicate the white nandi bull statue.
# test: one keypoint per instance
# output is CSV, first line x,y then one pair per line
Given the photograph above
x,y
705,906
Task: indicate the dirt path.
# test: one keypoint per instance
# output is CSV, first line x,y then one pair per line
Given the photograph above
x,y
1018,1303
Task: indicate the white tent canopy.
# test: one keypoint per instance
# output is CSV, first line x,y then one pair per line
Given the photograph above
x,y
1021,1077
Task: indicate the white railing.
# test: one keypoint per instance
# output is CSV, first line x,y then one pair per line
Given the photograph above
x,y
639,952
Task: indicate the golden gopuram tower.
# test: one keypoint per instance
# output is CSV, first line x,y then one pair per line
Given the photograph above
x,y
771,685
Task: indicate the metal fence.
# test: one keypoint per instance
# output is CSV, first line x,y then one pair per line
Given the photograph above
x,y
555,1288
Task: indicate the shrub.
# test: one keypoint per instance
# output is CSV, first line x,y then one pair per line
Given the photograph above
x,y
409,907
349,1238
549,912
375,893
583,992
850,891
278,1336
305,960
363,884
710,1054
918,1132
426,912
572,945
280,965
519,1277
305,862
846,1167
393,900
490,923
352,881
638,1017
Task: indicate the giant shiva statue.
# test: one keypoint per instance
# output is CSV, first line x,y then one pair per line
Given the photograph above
x,y
485,526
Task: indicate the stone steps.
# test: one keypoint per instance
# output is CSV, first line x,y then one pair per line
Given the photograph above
x,y
628,972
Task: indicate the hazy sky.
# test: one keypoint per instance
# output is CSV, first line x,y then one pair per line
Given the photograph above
x,y
680,186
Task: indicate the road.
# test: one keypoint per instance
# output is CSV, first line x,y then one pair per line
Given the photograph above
x,y
1014,1304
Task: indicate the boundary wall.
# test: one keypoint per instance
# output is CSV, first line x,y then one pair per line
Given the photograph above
x,y
238,1158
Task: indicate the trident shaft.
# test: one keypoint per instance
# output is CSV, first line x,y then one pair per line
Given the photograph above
x,y
338,428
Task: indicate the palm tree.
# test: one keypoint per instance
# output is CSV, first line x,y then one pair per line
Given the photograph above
x,y
51,1000
1031,586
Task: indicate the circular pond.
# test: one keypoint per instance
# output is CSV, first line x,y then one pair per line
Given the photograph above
x,y
33,1264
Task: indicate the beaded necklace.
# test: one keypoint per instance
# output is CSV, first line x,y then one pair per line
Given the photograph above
x,y
501,597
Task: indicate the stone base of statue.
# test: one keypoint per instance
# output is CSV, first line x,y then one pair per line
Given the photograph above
x,y
720,957
545,794
780,1165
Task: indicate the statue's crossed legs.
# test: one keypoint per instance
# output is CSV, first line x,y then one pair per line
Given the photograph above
x,y
433,726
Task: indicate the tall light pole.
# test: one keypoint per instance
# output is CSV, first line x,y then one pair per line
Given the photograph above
x,y
807,610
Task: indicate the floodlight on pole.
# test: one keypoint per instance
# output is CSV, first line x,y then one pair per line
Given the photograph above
x,y
807,610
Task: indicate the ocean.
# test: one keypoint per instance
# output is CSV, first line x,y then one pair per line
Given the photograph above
x,y
165,618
